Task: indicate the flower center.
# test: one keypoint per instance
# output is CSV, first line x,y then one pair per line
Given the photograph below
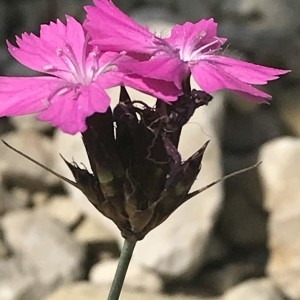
x,y
205,49
78,72
72,68
194,47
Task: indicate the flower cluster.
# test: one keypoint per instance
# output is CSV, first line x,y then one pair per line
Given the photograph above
x,y
138,177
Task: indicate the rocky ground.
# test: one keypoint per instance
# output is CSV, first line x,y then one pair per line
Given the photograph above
x,y
238,240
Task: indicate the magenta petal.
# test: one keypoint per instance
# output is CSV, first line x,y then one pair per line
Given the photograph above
x,y
69,114
112,30
110,79
212,78
40,53
32,52
25,95
244,71
195,35
166,68
69,37
127,74
164,90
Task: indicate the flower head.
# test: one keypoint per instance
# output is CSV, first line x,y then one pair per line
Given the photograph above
x,y
138,177
200,48
191,49
77,76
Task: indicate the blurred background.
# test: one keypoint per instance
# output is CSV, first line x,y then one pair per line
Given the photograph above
x,y
240,240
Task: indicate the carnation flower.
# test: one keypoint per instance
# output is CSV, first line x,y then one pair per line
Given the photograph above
x,y
192,48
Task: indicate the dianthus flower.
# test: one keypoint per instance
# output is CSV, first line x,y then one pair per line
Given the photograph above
x,y
191,49
77,76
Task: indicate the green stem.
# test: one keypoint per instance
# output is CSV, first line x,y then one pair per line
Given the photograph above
x,y
124,260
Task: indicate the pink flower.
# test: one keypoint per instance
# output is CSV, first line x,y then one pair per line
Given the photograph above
x,y
191,49
78,75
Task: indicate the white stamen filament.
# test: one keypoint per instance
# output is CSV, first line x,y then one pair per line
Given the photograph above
x,y
108,66
71,62
88,70
186,49
63,89
84,58
72,66
78,73
201,50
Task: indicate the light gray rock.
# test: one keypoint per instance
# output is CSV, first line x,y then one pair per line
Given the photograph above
x,y
3,249
218,279
44,245
78,291
137,278
280,173
19,282
20,198
15,281
86,291
89,231
39,199
30,122
18,170
72,148
62,209
15,199
254,289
